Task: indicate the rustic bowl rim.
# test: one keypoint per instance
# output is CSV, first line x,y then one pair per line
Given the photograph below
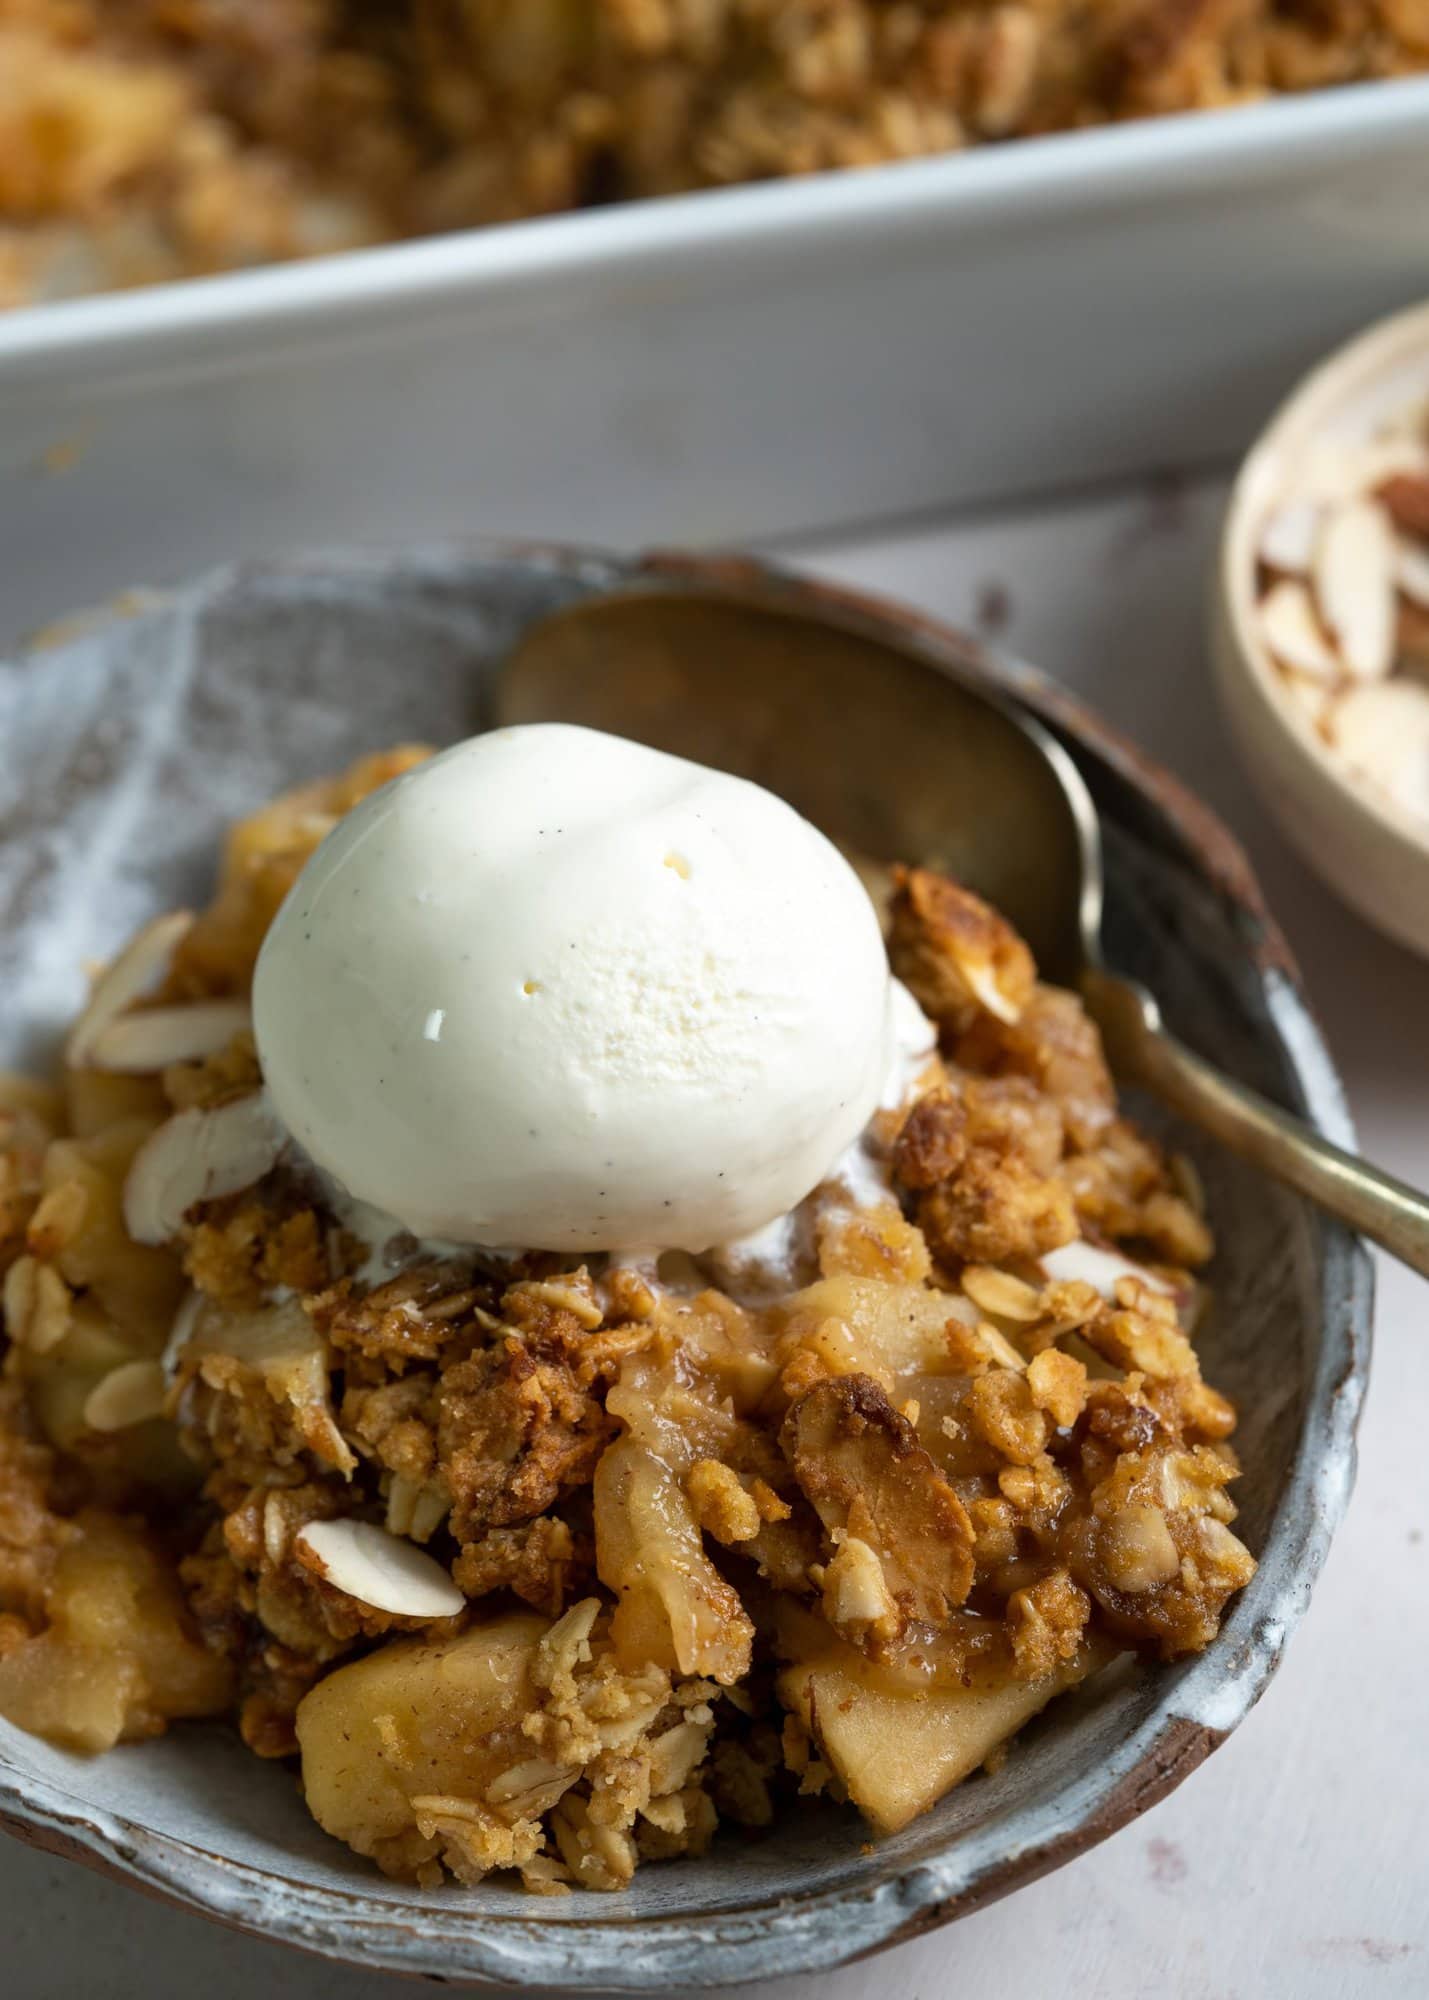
x,y
837,1924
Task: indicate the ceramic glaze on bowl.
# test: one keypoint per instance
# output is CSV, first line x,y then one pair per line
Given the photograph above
x,y
135,744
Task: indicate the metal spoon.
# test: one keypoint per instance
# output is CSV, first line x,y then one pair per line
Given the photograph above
x,y
900,755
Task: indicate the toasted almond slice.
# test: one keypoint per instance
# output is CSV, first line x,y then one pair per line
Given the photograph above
x,y
1288,537
130,1394
121,983
195,1156
137,1044
981,977
1089,1264
1383,731
1291,630
1354,586
378,1569
1411,572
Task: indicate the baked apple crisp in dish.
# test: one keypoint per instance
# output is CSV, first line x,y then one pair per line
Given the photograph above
x,y
149,140
575,1316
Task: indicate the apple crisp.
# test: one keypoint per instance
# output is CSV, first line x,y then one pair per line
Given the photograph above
x,y
552,1566
143,140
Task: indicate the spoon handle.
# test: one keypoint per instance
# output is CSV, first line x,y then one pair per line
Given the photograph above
x,y
1142,1051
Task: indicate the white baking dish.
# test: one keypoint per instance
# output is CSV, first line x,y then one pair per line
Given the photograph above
x,y
728,365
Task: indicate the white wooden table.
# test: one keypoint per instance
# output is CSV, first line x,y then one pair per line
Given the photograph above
x,y
1295,1865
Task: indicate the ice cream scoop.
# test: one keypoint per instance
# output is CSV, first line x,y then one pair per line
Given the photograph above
x,y
558,990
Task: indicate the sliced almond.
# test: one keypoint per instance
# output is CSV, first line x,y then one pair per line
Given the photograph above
x,y
137,1044
981,977
130,1394
196,1156
1288,537
1291,630
121,983
378,1569
1089,1264
1354,586
1411,572
1383,731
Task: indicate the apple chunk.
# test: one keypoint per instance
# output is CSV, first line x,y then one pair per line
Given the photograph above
x,y
415,1718
896,1754
119,1658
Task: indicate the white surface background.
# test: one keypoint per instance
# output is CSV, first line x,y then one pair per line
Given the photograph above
x,y
1295,1865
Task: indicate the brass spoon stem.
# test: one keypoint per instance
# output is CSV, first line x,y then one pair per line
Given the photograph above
x,y
1142,1051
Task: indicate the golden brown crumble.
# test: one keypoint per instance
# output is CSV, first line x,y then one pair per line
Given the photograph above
x,y
541,1562
957,957
516,1432
151,139
859,1463
713,1554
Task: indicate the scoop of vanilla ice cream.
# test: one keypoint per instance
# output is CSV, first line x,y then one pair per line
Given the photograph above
x,y
557,990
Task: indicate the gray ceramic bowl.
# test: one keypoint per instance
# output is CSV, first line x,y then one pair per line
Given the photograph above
x,y
127,749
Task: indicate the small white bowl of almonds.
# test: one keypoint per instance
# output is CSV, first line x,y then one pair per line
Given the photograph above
x,y
1321,622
